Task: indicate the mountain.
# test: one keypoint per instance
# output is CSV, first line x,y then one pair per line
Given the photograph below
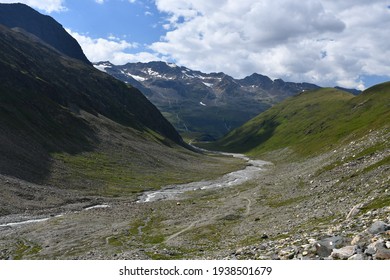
x,y
205,106
23,18
312,122
55,110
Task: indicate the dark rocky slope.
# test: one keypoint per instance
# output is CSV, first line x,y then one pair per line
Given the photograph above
x,y
43,95
22,17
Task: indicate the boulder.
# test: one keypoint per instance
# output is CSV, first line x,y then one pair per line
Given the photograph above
x,y
382,253
358,257
325,246
343,253
378,227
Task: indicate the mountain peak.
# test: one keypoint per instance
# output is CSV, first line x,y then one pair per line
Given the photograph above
x,y
204,103
257,79
42,26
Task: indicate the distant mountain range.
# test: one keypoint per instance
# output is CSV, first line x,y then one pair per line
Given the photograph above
x,y
203,106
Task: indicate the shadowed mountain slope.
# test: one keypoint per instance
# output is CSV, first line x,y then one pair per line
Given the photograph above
x,y
45,98
22,17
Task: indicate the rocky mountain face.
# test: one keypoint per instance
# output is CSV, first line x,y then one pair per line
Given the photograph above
x,y
52,103
25,19
209,105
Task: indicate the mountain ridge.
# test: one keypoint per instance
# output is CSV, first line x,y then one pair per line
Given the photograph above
x,y
204,104
22,17
311,121
46,99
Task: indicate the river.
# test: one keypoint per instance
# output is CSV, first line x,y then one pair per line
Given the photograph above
x,y
231,179
171,192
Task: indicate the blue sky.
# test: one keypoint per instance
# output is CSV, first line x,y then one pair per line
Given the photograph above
x,y
138,22
326,42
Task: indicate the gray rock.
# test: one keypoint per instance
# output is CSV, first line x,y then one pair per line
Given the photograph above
x,y
356,240
239,251
287,253
378,227
355,210
358,257
343,253
382,253
325,246
323,251
371,250
263,247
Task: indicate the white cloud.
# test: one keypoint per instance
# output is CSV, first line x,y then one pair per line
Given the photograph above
x,y
99,1
45,5
112,49
325,42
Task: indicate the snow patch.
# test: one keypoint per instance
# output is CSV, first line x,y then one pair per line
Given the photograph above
x,y
208,84
138,78
172,65
150,72
101,67
135,77
189,76
201,103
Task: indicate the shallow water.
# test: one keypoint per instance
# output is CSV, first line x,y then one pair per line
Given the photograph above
x,y
36,220
232,179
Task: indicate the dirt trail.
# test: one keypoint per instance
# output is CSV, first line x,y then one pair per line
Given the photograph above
x,y
248,206
193,224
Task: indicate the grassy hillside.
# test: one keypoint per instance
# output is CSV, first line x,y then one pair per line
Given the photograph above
x,y
312,122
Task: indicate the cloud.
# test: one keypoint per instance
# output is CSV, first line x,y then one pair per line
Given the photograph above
x,y
99,1
112,49
325,42
44,5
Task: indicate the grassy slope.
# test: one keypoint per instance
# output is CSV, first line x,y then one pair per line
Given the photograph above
x,y
312,122
127,161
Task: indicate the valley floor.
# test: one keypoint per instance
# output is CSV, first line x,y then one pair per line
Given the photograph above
x,y
335,205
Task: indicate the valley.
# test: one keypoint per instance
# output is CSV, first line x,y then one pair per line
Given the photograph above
x,y
91,169
280,213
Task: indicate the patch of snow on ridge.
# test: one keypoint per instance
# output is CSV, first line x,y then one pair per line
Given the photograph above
x,y
135,77
208,84
172,65
152,73
201,103
101,67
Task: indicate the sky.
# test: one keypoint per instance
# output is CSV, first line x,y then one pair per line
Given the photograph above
x,y
327,42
